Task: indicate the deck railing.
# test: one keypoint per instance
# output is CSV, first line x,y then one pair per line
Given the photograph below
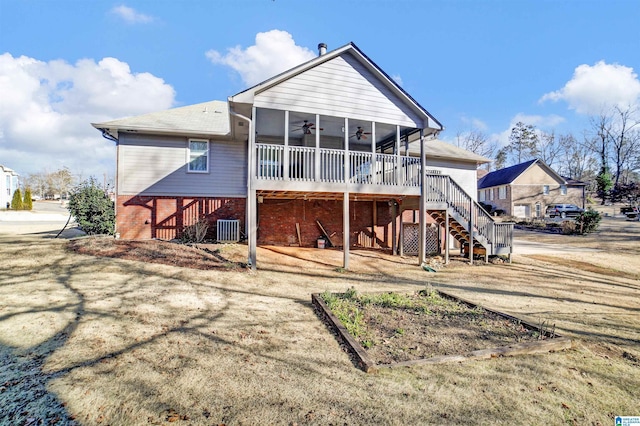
x,y
301,165
444,190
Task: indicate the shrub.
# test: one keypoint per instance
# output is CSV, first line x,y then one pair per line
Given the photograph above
x,y
568,227
27,203
588,221
16,201
92,208
196,232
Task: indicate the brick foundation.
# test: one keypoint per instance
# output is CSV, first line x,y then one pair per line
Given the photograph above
x,y
145,217
278,218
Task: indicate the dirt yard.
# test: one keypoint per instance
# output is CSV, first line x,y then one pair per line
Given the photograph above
x,y
96,340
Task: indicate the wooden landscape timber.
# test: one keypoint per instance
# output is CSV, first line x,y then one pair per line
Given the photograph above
x,y
553,342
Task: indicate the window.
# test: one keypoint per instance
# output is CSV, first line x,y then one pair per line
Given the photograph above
x,y
490,194
198,156
545,189
563,189
502,193
482,195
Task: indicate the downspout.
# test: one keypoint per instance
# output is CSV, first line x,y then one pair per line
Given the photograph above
x,y
109,136
251,234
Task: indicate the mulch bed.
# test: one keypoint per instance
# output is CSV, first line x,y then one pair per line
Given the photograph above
x,y
153,251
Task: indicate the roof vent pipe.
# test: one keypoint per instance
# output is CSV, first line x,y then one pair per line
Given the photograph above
x,y
322,49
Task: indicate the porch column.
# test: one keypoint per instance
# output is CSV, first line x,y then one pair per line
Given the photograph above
x,y
401,250
374,164
285,159
347,171
316,156
346,231
422,214
398,159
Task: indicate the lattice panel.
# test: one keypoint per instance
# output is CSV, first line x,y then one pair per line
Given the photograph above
x,y
411,239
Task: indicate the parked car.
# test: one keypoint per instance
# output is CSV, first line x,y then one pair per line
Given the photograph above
x,y
563,210
631,212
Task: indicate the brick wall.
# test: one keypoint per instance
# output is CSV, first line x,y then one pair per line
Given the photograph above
x,y
278,218
145,217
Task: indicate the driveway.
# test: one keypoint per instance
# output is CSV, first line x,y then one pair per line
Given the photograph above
x,y
47,217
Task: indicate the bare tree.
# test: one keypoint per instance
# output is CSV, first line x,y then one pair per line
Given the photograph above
x,y
624,139
476,142
549,148
576,159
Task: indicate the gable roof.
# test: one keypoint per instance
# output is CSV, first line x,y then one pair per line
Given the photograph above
x,y
247,96
207,118
509,174
435,148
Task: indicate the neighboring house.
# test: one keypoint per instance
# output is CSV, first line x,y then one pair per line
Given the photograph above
x,y
525,190
8,185
332,143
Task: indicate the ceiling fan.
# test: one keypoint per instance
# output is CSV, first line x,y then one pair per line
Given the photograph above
x,y
360,134
307,128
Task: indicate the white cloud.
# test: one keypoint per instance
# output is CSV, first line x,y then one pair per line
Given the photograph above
x,y
397,78
275,51
594,89
131,16
47,108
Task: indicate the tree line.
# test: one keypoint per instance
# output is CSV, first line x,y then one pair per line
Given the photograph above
x,y
606,156
57,184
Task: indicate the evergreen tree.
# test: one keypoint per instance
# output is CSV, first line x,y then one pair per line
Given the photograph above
x,y
93,209
16,201
27,204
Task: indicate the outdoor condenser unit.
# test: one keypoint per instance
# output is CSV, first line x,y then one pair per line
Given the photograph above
x,y
228,231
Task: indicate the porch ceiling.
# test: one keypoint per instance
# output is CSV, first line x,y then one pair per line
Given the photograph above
x,y
325,196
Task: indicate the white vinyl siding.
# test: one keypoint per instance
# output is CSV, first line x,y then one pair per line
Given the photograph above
x,y
198,156
157,165
340,87
463,173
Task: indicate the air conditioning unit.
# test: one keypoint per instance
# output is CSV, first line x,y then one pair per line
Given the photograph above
x,y
228,231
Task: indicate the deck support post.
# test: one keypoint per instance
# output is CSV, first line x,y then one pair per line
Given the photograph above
x,y
346,231
401,249
471,225
394,228
447,236
422,214
252,213
374,221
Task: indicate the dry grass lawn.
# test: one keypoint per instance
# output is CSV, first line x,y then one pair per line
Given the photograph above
x,y
98,341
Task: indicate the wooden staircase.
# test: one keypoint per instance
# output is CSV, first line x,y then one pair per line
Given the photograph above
x,y
451,207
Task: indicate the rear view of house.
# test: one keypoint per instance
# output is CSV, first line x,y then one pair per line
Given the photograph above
x,y
332,148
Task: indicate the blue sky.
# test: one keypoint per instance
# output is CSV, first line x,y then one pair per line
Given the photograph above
x,y
481,65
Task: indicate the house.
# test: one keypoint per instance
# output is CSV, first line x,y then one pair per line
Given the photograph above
x,y
525,190
8,185
332,148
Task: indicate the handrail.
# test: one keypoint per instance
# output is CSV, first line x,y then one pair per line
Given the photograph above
x,y
443,189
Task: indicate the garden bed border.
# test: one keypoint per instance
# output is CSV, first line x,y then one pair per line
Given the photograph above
x,y
555,342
